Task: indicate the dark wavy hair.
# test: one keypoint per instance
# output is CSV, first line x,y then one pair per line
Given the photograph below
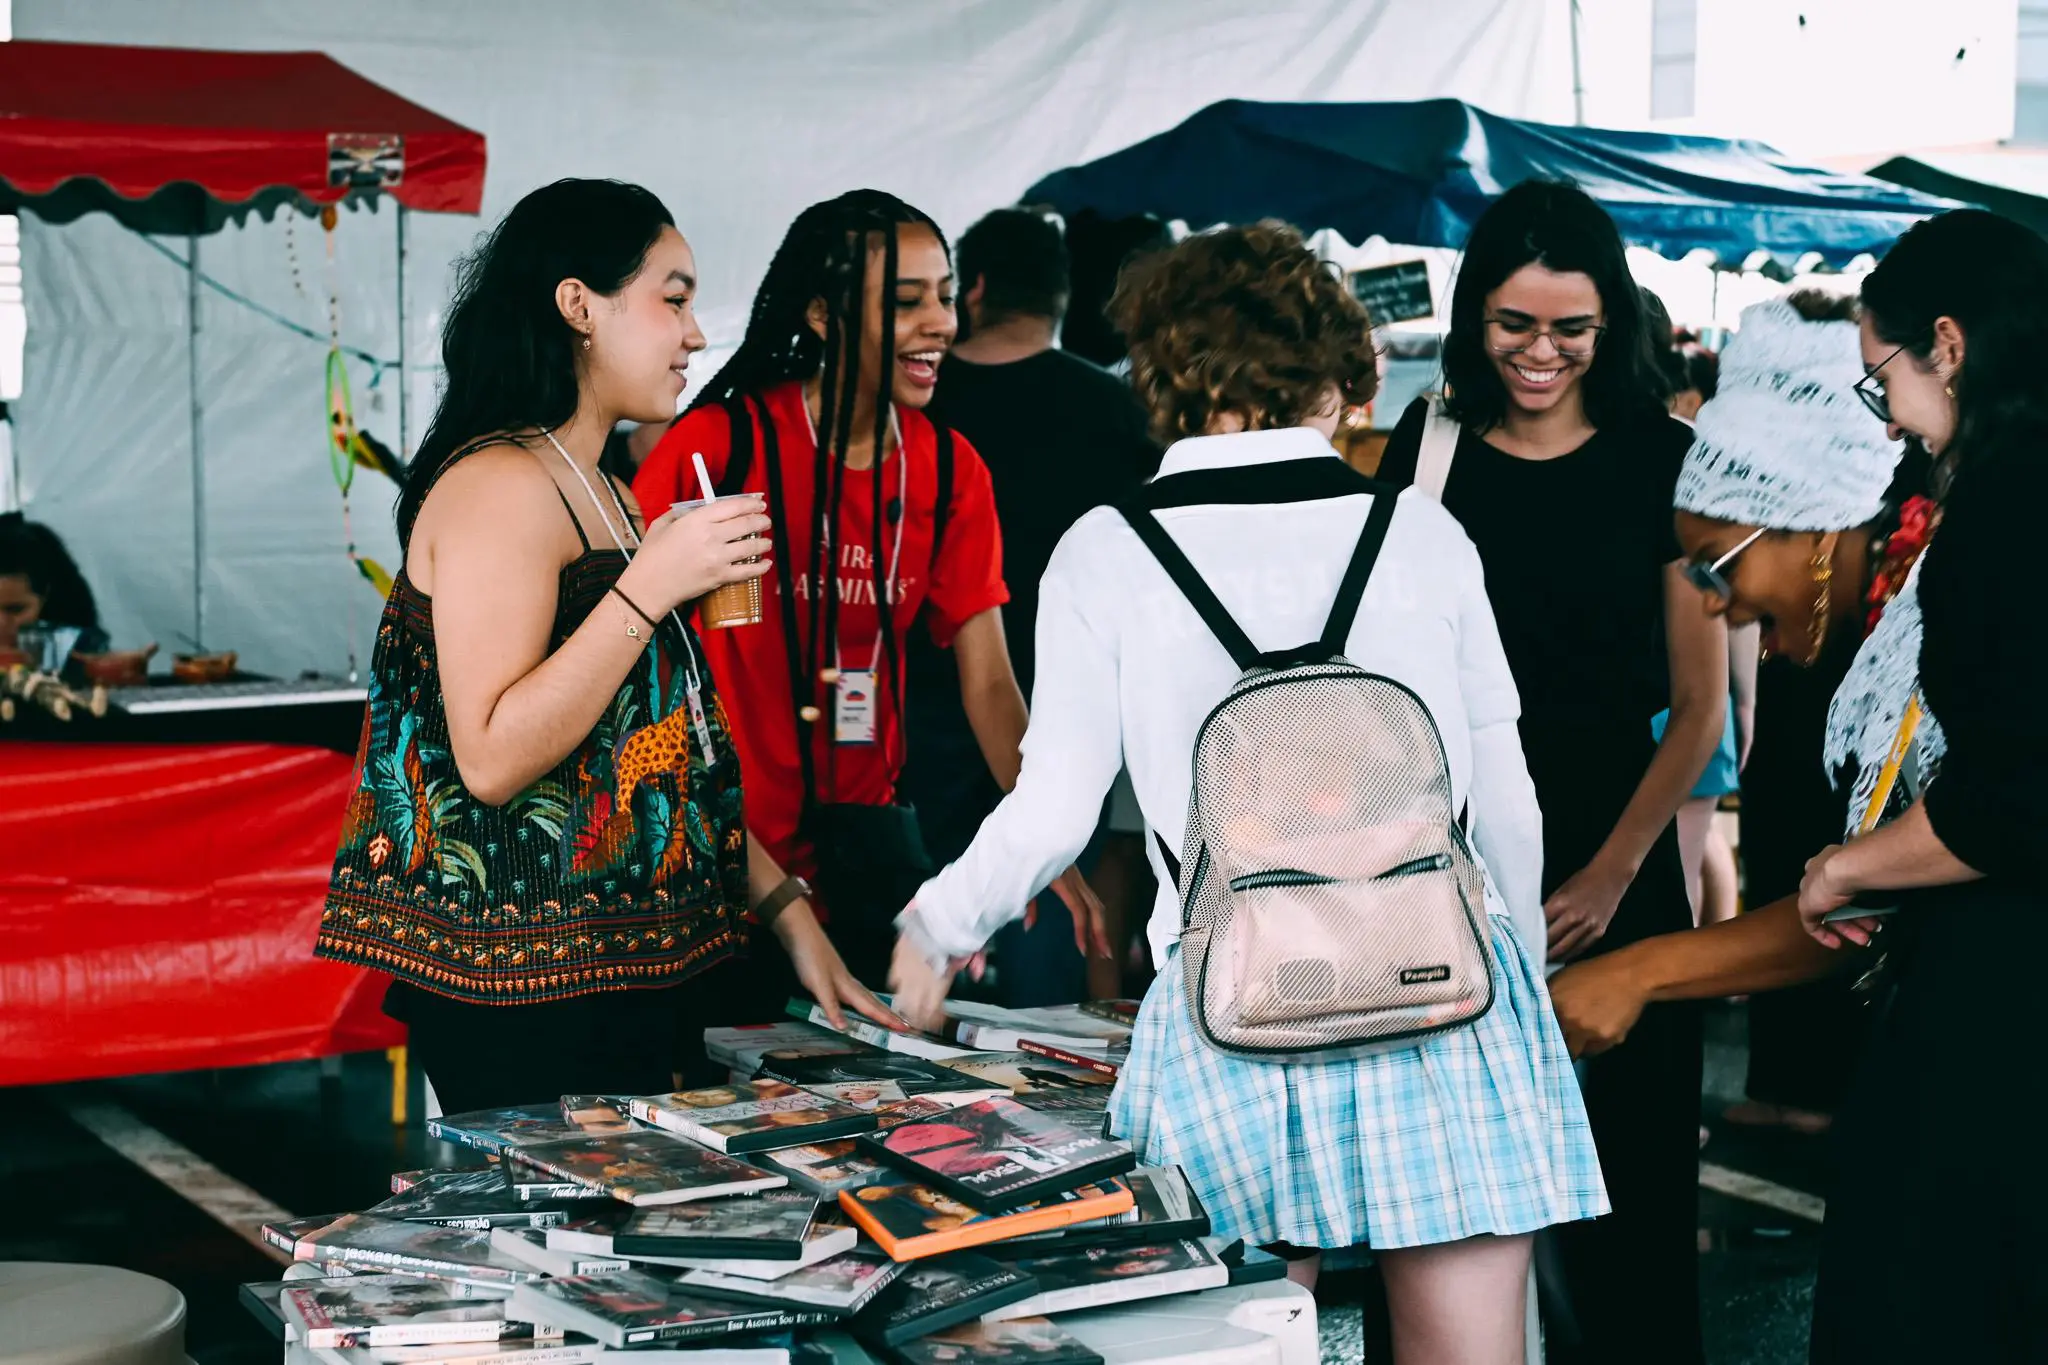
x,y
1558,226
35,552
1990,275
1245,320
509,354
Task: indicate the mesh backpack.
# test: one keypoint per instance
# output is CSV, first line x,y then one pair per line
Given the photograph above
x,y
1330,903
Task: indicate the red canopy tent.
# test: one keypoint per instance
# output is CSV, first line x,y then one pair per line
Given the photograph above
x,y
184,141
176,139
158,903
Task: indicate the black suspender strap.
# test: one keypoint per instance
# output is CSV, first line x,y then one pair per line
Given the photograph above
x,y
943,512
1185,577
1350,592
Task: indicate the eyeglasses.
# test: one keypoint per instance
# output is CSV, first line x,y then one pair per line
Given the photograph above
x,y
1871,389
1709,579
1572,340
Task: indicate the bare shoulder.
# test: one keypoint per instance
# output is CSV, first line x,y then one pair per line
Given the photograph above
x,y
497,495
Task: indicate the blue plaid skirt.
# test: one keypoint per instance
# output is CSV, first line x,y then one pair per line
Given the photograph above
x,y
1478,1130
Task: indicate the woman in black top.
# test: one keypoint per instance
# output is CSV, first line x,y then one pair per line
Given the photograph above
x,y
1563,478
1932,1249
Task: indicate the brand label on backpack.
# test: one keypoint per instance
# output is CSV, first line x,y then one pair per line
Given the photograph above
x,y
1421,976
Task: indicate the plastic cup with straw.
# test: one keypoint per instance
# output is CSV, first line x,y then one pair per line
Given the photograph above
x,y
734,604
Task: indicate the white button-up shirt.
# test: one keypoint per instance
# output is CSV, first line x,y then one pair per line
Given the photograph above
x,y
1128,672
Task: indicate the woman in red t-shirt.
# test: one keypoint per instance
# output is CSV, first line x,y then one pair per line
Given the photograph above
x,y
825,397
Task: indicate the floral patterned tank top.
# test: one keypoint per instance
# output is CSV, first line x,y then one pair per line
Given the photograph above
x,y
623,867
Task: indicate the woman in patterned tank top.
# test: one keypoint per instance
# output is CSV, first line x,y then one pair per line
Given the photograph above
x,y
546,841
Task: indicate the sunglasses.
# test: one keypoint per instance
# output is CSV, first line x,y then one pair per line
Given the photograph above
x,y
1871,389
1709,579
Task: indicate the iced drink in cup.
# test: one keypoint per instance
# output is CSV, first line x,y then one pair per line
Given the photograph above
x,y
734,604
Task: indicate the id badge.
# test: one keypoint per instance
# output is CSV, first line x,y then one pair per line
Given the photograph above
x,y
853,707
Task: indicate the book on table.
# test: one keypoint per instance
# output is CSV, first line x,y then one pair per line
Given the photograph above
x,y
1109,1063
867,1031
911,1222
754,1117
598,1113
497,1131
286,1234
401,1181
998,1154
646,1167
561,1349
1026,1073
745,1046
991,1028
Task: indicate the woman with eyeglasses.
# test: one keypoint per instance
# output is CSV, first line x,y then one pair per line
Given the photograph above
x,y
1561,472
1933,1246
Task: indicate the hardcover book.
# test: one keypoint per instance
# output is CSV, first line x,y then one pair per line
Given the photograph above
x,y
999,1155
645,1168
755,1117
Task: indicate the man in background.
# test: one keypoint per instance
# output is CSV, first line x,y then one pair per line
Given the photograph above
x,y
1059,435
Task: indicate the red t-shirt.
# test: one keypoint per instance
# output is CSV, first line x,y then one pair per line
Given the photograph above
x,y
751,663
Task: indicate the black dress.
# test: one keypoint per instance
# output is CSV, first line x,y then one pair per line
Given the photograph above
x,y
1934,1245
1575,550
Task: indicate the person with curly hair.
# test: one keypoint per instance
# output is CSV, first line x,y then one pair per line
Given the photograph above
x,y
1444,1156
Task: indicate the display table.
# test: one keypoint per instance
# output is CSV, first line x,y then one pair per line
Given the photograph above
x,y
158,904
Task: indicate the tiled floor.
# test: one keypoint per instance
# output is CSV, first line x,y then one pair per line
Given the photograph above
x,y
311,1145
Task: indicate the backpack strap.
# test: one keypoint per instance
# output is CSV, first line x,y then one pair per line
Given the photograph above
x,y
1439,445
943,512
739,459
1350,592
1207,605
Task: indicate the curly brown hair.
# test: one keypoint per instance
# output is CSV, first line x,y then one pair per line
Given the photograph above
x,y
1243,320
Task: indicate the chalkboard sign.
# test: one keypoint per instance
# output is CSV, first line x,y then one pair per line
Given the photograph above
x,y
1394,293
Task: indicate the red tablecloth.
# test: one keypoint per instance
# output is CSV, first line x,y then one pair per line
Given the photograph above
x,y
157,910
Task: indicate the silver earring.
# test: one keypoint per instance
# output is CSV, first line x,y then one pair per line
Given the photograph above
x,y
586,343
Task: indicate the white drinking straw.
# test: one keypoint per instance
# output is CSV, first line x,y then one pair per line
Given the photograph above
x,y
703,476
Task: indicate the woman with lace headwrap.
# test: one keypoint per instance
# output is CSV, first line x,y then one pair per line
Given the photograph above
x,y
1933,1246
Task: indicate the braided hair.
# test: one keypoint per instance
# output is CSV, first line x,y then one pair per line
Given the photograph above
x,y
824,255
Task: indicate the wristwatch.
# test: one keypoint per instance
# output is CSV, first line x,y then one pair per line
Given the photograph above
x,y
793,888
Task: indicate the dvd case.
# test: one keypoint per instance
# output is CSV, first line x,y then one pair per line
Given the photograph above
x,y
632,1306
393,1310
529,1246
358,1241
843,1285
943,1292
914,1221
1017,1341
998,1155
770,1226
1096,1276
1165,1208
646,1168
755,1117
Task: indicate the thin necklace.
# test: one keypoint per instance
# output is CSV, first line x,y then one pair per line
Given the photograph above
x,y
693,686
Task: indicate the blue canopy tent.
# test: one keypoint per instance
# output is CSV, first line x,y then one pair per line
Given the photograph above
x,y
1420,173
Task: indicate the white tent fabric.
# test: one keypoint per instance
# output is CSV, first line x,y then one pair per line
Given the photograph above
x,y
737,114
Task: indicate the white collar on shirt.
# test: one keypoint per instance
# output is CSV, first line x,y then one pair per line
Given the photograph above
x,y
1273,446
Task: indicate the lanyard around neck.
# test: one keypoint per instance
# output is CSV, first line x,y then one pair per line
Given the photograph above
x,y
884,610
